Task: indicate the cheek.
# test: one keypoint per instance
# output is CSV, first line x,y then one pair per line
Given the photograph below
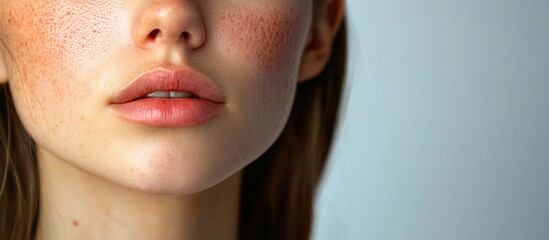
x,y
261,50
65,34
270,38
52,42
265,43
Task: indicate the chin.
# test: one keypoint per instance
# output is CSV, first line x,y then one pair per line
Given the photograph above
x,y
172,173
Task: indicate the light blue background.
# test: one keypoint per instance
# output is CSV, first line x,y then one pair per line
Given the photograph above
x,y
446,133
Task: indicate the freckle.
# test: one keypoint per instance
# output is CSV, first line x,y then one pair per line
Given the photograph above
x,y
75,223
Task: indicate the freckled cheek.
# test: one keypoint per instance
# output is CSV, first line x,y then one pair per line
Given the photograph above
x,y
71,36
271,40
59,44
267,46
264,48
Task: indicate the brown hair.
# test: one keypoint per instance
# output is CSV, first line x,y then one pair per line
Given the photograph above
x,y
18,175
278,189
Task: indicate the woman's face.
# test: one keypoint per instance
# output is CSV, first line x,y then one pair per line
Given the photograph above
x,y
69,60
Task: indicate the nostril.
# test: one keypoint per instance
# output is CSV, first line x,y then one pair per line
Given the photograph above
x,y
153,34
185,35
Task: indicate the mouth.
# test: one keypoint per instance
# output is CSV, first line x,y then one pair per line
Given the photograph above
x,y
169,84
169,94
168,98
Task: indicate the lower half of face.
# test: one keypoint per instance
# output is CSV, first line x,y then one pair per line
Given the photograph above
x,y
71,59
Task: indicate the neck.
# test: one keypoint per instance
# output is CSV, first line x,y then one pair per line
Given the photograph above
x,y
78,205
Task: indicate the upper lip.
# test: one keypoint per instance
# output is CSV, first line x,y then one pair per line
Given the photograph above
x,y
162,79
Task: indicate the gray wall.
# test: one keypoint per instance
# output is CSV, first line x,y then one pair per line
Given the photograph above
x,y
446,134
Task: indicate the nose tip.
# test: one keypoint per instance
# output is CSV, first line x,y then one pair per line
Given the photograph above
x,y
169,23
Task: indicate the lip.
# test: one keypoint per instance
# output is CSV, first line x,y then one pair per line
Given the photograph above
x,y
130,105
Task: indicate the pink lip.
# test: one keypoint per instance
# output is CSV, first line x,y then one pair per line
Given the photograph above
x,y
130,105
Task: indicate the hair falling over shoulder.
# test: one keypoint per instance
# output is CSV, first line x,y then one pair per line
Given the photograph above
x,y
278,189
18,175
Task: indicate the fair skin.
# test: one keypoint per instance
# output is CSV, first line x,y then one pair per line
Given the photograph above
x,y
103,177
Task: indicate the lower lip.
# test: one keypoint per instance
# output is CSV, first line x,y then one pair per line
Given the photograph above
x,y
172,112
